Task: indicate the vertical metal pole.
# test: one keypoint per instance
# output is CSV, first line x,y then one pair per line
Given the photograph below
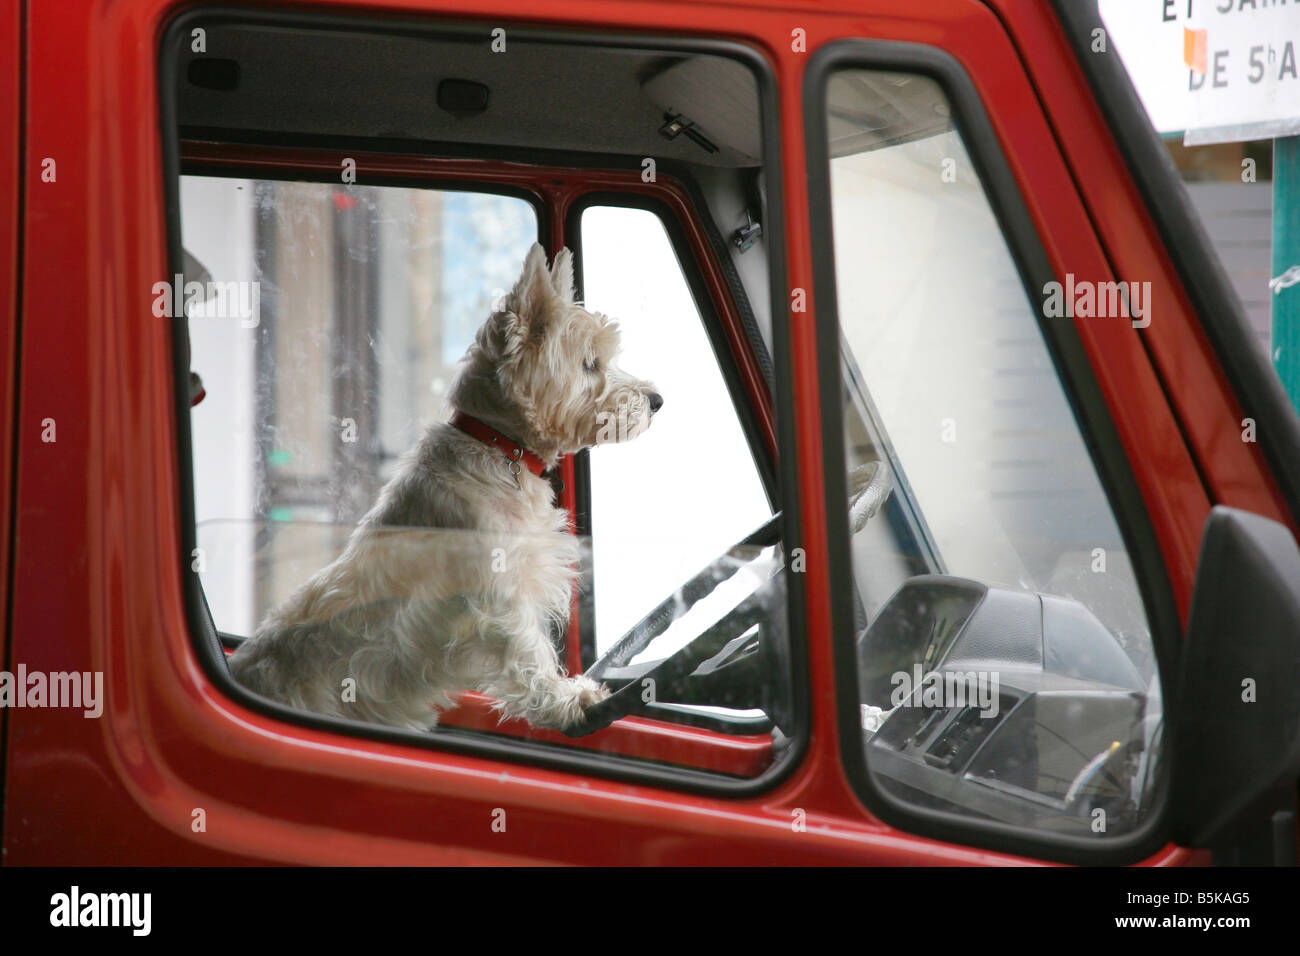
x,y
1285,304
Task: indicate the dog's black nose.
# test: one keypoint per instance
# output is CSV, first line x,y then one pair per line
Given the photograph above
x,y
656,402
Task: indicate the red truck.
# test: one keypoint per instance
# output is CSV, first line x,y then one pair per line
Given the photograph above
x,y
935,245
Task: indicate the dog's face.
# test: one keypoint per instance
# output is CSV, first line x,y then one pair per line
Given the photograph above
x,y
544,366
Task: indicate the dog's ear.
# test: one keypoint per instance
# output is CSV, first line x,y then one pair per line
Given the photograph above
x,y
562,275
532,294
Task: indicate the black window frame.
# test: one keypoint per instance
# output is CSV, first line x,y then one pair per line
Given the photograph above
x,y
206,642
1073,370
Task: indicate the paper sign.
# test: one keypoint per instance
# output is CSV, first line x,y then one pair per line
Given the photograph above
x,y
1220,70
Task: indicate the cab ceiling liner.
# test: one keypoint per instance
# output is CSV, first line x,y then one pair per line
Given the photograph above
x,y
541,95
868,110
719,96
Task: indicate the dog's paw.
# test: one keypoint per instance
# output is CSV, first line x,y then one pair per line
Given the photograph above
x,y
580,694
873,718
584,714
589,692
869,486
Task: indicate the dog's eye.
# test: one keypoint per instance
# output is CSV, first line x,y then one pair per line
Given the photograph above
x,y
592,365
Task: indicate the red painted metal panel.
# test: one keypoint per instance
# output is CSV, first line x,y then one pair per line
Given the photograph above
x,y
743,756
11,187
1207,409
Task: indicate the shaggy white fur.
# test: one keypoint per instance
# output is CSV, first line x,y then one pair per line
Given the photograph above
x,y
405,617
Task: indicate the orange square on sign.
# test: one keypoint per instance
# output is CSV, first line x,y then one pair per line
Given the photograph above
x,y
1194,42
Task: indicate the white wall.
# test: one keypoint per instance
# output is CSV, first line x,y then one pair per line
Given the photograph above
x,y
217,219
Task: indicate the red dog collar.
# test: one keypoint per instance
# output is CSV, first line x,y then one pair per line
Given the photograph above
x,y
517,453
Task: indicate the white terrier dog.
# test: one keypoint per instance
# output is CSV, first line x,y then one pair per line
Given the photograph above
x,y
404,618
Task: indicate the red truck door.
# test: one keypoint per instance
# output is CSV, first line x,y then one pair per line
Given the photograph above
x,y
937,196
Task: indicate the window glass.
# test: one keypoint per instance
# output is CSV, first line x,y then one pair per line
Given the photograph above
x,y
378,448
1005,660
692,476
367,301
367,297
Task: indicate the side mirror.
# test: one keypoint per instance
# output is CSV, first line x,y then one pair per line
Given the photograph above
x,y
1236,717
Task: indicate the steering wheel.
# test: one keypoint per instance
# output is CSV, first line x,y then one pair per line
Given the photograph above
x,y
674,670
720,658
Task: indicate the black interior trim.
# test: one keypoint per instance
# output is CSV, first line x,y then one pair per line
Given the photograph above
x,y
722,253
1086,401
1258,389
529,753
